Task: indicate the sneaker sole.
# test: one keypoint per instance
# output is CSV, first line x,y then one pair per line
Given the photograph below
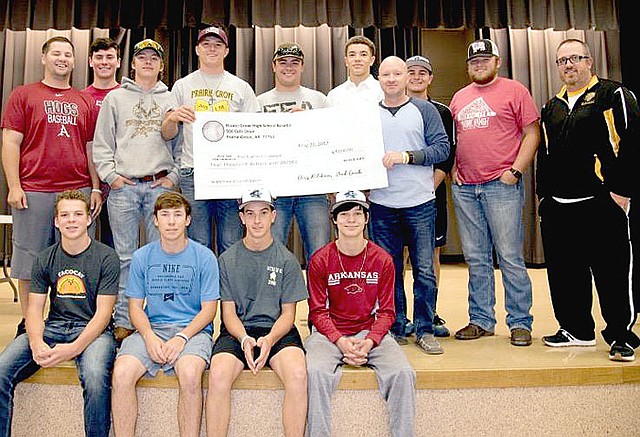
x,y
570,344
619,357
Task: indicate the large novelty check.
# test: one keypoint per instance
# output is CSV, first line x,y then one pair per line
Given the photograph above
x,y
291,154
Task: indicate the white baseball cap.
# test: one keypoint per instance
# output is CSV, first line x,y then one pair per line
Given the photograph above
x,y
256,194
350,196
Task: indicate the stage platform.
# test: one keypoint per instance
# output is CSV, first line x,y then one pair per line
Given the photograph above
x,y
478,387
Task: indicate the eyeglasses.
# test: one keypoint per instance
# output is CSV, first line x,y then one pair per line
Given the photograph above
x,y
574,59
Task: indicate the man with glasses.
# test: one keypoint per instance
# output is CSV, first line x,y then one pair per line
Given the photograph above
x,y
133,158
289,96
208,89
585,177
497,137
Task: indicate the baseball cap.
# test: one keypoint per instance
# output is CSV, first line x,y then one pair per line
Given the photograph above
x,y
350,196
288,49
255,194
148,44
482,47
419,61
215,31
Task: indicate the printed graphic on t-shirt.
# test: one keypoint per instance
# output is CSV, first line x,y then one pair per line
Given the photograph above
x,y
475,115
206,100
273,275
70,285
146,119
62,113
351,280
168,280
286,106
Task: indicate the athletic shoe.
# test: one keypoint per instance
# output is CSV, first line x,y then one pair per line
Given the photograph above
x,y
563,339
621,352
439,328
429,345
400,339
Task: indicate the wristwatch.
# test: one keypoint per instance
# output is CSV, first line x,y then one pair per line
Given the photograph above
x,y
516,173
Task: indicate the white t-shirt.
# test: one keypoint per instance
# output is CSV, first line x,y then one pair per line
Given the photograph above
x,y
282,101
368,91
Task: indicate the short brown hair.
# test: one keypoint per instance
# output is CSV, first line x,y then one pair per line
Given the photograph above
x,y
171,200
72,195
104,44
47,44
359,39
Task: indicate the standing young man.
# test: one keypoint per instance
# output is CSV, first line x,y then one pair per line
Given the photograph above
x,y
420,74
289,96
104,60
208,89
360,86
173,290
351,308
47,129
260,286
586,175
133,158
81,277
497,136
404,213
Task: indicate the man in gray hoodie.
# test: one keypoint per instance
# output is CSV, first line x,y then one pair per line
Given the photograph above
x,y
133,158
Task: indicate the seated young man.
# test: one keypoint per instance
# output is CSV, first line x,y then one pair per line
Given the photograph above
x,y
177,278
351,292
260,285
81,277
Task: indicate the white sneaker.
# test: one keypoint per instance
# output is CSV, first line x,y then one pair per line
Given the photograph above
x,y
429,344
563,339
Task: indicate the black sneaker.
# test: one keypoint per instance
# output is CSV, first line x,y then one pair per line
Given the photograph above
x,y
21,329
439,328
621,352
563,339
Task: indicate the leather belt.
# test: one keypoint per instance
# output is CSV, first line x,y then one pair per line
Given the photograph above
x,y
153,177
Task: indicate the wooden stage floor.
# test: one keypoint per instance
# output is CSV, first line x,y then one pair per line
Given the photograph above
x,y
487,362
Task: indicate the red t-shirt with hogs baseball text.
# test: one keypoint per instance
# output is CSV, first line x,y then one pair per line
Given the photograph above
x,y
56,124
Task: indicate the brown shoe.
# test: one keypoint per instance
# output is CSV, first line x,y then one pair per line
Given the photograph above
x,y
471,332
520,337
120,333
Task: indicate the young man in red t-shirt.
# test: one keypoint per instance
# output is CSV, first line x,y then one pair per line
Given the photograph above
x,y
104,60
351,308
47,129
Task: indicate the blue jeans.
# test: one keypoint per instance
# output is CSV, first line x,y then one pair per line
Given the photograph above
x,y
490,216
94,370
127,207
224,213
390,229
312,216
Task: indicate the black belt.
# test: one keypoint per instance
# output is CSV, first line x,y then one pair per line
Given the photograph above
x,y
153,177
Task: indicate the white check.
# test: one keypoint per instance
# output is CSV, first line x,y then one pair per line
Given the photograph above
x,y
291,154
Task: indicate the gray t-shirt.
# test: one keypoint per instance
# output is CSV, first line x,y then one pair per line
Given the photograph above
x,y
75,281
260,282
281,101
